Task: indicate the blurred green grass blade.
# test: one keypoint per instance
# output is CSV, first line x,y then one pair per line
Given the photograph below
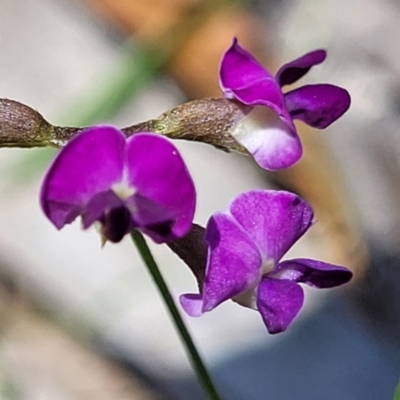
x,y
136,69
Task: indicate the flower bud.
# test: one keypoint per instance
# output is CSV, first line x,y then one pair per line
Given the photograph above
x,y
21,126
208,120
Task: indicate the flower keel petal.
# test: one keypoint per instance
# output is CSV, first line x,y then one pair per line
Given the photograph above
x,y
279,302
271,140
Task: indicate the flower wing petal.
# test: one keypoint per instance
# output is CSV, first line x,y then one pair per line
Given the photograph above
x,y
98,205
296,69
242,77
274,220
233,265
89,164
158,172
279,302
318,105
314,273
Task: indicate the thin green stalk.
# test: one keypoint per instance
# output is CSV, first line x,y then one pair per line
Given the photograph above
x,y
196,361
397,393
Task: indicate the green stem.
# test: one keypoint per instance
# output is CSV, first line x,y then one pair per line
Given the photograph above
x,y
196,361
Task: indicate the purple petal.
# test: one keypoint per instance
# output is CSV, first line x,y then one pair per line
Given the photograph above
x,y
116,223
192,304
313,273
153,218
242,77
281,148
318,105
233,266
98,205
294,70
89,164
158,172
275,220
279,302
271,140
149,212
274,144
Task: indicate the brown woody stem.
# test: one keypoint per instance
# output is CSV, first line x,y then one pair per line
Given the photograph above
x,y
208,120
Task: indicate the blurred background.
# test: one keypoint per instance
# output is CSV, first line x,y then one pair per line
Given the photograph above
x,y
81,322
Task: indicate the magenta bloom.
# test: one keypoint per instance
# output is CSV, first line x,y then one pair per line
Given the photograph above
x,y
245,247
140,182
271,137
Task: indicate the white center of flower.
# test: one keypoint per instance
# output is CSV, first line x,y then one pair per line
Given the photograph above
x,y
249,297
267,266
123,190
258,127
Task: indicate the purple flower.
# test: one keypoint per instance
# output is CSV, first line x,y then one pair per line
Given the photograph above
x,y
245,247
140,182
271,136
